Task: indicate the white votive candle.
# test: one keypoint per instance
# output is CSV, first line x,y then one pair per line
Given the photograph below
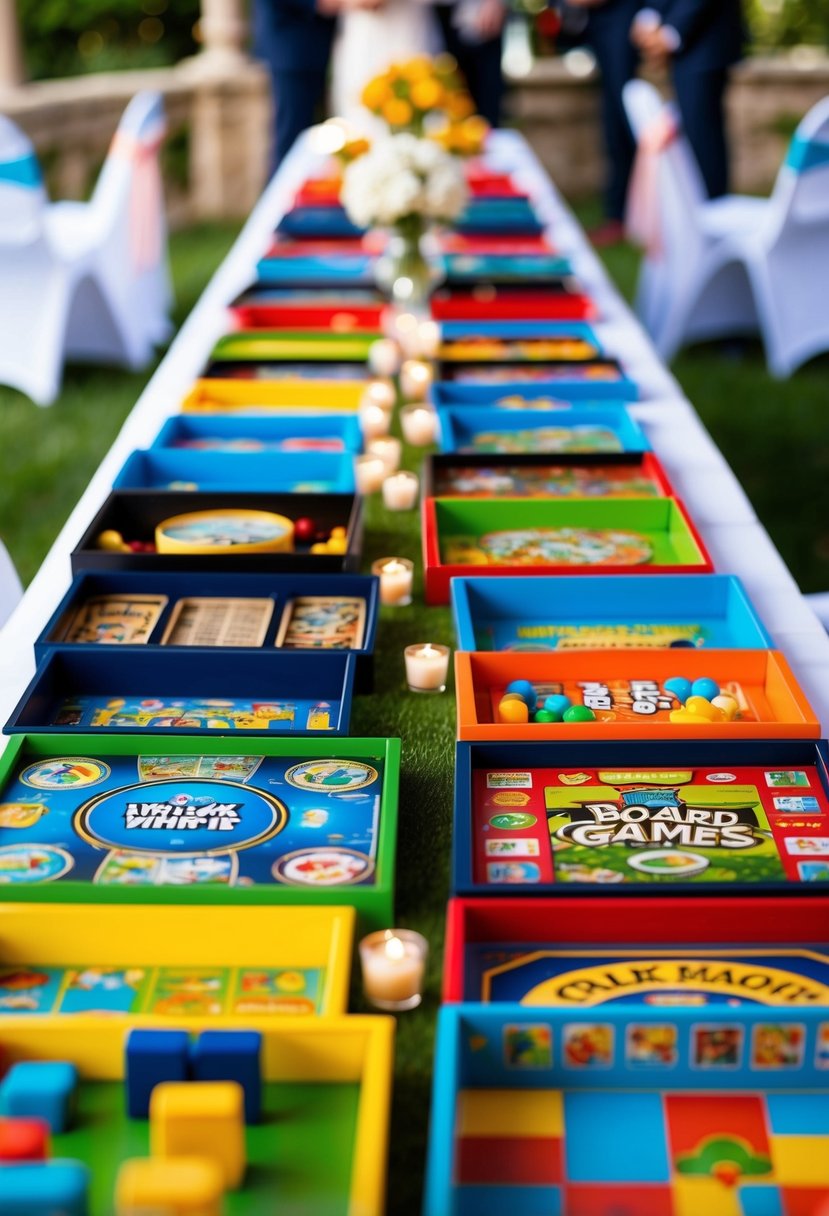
x,y
389,449
384,357
393,962
426,667
395,574
428,339
369,472
415,379
405,327
400,491
419,424
374,421
379,392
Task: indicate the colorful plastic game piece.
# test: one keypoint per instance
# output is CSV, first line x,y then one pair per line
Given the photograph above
x,y
231,1055
153,1056
23,1140
705,687
44,1188
697,704
678,687
525,690
513,710
579,713
546,715
201,1118
40,1089
180,1186
557,703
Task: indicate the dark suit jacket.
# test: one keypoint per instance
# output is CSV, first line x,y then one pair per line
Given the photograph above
x,y
712,31
290,35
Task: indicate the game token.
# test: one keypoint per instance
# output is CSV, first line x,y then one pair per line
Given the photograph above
x,y
525,690
679,687
702,706
513,710
578,713
557,703
727,704
705,687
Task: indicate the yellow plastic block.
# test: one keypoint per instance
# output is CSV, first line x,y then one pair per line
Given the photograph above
x,y
800,1160
693,1196
184,1186
200,1119
510,1112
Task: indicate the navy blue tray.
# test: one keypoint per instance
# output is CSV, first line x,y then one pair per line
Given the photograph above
x,y
276,472
279,588
255,432
283,692
137,513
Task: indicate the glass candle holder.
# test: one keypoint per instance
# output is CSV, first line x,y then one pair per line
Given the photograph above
x,y
427,666
400,491
393,963
389,449
369,472
379,392
419,424
384,357
415,379
395,574
374,421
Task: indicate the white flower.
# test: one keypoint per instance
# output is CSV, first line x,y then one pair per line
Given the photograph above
x,y
403,176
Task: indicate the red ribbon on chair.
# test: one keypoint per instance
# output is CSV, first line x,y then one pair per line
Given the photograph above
x,y
146,197
642,217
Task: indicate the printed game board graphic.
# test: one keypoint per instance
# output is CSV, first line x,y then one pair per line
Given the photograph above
x,y
191,820
194,713
601,1152
161,991
559,481
643,827
541,635
550,439
581,978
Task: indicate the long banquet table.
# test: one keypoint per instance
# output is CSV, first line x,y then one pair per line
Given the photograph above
x,y
736,539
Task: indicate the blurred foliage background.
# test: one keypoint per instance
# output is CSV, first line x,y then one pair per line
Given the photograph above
x,y
68,37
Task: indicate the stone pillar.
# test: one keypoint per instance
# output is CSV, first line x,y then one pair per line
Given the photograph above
x,y
11,51
224,33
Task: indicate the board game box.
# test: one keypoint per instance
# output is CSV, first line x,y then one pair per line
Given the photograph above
x,y
325,1081
299,346
272,398
565,429
557,299
652,1111
346,310
298,471
283,433
581,387
630,694
568,952
213,530
498,537
168,691
712,816
525,475
153,964
542,614
95,818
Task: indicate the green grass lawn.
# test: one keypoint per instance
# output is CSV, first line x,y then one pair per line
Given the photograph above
x,y
774,435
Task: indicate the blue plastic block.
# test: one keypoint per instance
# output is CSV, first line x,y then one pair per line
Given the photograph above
x,y
231,1055
153,1056
40,1089
42,1188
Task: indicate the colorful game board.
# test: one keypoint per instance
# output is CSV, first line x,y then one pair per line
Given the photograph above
x,y
546,826
545,481
652,1113
193,713
117,821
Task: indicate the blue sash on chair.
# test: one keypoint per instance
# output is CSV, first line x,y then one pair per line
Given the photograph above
x,y
806,154
21,171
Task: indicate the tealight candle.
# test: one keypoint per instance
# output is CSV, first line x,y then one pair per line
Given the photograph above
x,y
393,962
400,491
405,326
374,421
419,424
426,667
379,392
384,357
389,450
428,339
415,379
395,574
369,472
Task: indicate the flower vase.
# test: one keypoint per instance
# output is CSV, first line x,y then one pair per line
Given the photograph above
x,y
404,270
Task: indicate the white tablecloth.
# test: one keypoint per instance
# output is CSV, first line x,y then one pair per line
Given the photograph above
x,y
737,541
